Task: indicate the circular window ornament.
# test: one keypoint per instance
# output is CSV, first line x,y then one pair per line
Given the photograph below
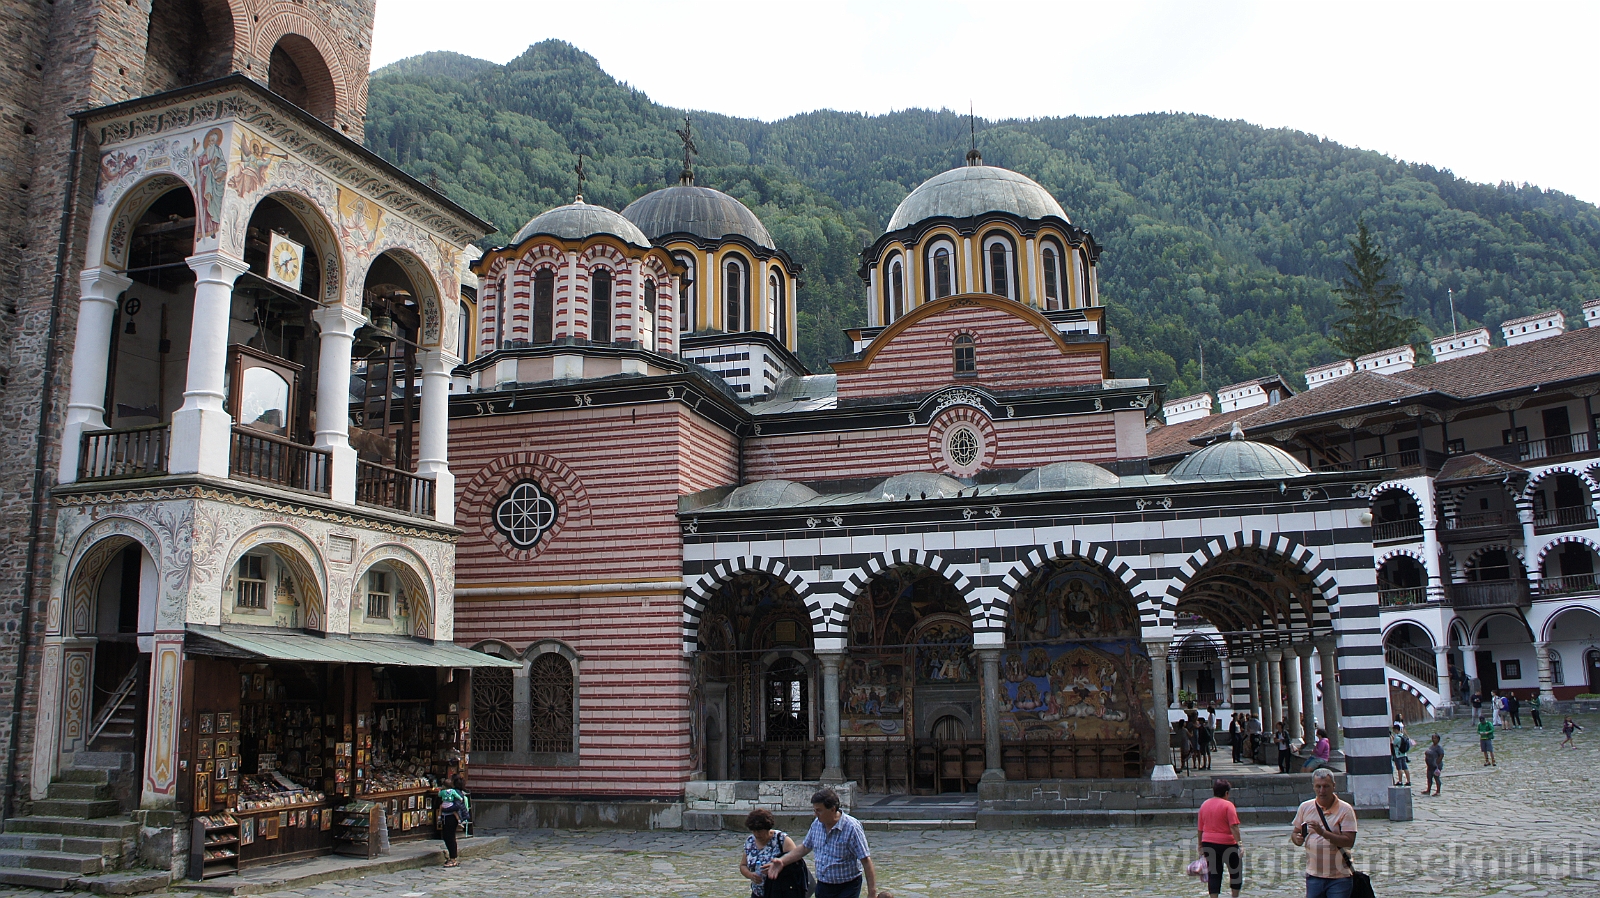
x,y
526,514
962,447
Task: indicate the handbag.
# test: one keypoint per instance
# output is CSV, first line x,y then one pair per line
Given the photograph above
x,y
1197,867
1360,883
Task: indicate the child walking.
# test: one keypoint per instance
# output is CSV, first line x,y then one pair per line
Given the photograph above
x,y
1568,727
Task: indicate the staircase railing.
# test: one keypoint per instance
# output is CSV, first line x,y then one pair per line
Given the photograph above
x,y
119,698
1423,670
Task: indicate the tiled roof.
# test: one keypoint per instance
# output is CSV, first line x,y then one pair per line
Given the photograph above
x,y
1173,439
1473,466
1351,391
1575,353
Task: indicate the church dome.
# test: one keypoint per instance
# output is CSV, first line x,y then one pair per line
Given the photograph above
x,y
769,494
918,485
579,221
699,211
1239,460
1068,475
973,190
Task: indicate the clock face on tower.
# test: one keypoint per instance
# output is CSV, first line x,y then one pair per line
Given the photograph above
x,y
526,514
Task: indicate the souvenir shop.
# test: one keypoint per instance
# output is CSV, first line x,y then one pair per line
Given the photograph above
x,y
283,759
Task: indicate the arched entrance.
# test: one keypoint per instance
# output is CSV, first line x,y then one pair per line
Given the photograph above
x,y
756,716
1075,688
910,664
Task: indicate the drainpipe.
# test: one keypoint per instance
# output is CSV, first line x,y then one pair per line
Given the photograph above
x,y
36,509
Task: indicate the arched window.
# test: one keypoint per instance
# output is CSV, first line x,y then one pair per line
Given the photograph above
x,y
550,717
942,270
894,296
502,307
736,297
600,330
464,331
544,305
777,306
493,709
297,72
966,355
1083,266
1051,257
647,327
788,706
686,294
1000,266
1558,677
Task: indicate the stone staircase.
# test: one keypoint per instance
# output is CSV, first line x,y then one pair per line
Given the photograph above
x,y
77,838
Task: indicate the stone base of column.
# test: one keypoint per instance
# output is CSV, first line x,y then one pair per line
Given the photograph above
x,y
832,776
1163,772
444,493
201,442
993,775
342,473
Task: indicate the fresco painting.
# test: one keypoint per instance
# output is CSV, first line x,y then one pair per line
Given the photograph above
x,y
873,697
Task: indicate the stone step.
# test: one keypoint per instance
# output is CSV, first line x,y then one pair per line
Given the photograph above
x,y
101,776
1036,819
53,861
898,824
106,760
128,882
111,848
59,791
104,828
37,879
74,807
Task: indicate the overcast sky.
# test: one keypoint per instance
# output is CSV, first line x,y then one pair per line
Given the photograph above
x,y
1492,91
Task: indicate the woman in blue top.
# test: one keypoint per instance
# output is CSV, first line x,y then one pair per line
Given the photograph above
x,y
763,845
454,809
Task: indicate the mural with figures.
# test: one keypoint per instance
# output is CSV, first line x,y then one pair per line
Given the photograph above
x,y
1075,668
909,628
748,617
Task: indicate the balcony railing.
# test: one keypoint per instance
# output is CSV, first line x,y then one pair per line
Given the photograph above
x,y
127,452
1393,530
1576,517
1413,665
1478,519
1553,447
1489,594
1570,584
384,487
1403,595
1427,460
274,460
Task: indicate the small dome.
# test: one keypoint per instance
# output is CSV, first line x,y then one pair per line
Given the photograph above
x,y
580,221
769,494
918,485
974,190
1239,460
1068,475
700,211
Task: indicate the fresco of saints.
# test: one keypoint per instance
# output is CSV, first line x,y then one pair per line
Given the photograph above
x,y
211,173
254,163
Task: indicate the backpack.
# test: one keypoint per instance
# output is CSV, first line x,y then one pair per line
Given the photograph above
x,y
1405,743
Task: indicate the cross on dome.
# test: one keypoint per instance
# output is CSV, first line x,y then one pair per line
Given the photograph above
x,y
686,134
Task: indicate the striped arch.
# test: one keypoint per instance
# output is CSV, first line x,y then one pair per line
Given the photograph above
x,y
1402,486
1566,538
1412,690
698,595
1583,474
1323,603
1548,631
839,615
1408,551
1000,610
1511,552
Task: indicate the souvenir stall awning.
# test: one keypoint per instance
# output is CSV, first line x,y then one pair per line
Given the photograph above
x,y
277,646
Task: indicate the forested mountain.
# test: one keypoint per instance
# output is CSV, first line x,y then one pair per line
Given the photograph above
x,y
1218,235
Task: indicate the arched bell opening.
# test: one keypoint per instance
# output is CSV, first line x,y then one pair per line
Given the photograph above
x,y
1075,690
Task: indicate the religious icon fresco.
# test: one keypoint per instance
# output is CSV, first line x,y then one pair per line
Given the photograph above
x,y
1075,668
872,697
748,617
910,627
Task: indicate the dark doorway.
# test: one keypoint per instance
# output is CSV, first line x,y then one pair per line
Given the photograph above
x,y
1488,677
1593,659
788,717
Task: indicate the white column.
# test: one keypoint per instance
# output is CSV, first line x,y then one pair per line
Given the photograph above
x,y
1441,666
1541,654
337,325
433,449
1308,691
1275,686
833,766
202,427
970,280
791,314
1160,720
875,299
1227,683
1075,289
91,354
1291,687
708,297
1033,297
1328,655
913,291
1529,535
1177,681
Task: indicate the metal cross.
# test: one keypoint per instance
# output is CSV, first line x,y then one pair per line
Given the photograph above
x,y
582,176
687,136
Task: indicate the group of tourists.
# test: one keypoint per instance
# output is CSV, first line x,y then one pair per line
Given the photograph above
x,y
1325,826
775,864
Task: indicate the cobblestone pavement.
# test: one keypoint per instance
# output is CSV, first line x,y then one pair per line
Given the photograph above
x,y
1528,827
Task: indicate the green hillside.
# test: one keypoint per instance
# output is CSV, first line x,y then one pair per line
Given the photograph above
x,y
1216,233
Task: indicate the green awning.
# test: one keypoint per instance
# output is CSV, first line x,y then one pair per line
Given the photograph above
x,y
233,642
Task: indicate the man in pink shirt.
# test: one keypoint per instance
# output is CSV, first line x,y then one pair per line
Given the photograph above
x,y
1326,826
1219,839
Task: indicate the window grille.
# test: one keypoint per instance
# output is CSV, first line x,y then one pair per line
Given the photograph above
x,y
788,715
1052,280
492,699
550,703
251,591
963,447
943,274
378,595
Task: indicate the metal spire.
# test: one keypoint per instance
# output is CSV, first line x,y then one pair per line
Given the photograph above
x,y
582,177
973,156
687,136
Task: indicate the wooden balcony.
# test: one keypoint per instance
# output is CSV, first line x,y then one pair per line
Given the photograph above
x,y
1397,531
123,453
274,460
1401,596
1557,520
1481,526
381,486
1490,594
1569,585
1426,462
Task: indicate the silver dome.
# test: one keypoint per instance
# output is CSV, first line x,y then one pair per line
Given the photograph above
x,y
1068,475
1238,460
700,211
918,485
769,494
580,221
974,190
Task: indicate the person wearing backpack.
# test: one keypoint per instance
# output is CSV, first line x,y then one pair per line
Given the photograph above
x,y
454,810
1400,748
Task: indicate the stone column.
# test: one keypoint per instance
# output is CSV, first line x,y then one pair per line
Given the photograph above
x,y
1441,666
433,448
832,766
1547,695
635,330
201,427
91,355
1430,545
1158,715
1327,652
1263,692
994,767
1291,688
1226,683
1274,688
1529,540
1177,681
1308,692
337,325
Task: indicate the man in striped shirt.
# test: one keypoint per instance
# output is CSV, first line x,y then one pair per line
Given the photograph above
x,y
840,846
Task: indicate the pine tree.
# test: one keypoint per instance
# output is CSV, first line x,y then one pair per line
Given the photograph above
x,y
1369,303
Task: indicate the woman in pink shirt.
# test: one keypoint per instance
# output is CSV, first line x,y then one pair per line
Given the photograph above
x,y
1219,840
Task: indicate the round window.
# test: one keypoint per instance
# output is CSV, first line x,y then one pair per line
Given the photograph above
x,y
962,447
526,514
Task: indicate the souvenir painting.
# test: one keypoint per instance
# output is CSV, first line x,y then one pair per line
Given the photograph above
x,y
258,686
224,748
349,733
202,749
269,826
247,831
361,720
219,792
225,722
327,819
202,791
207,721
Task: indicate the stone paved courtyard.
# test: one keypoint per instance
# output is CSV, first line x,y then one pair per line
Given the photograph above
x,y
1529,827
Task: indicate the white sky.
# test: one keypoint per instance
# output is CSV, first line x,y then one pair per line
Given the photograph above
x,y
1492,91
